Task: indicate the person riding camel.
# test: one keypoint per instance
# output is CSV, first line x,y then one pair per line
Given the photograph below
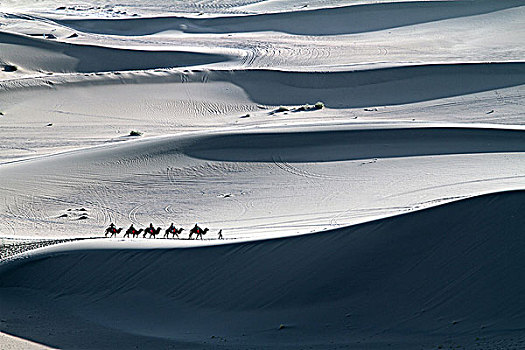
x,y
169,230
196,229
111,229
131,230
150,229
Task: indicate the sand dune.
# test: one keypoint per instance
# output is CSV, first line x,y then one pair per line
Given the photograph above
x,y
245,182
390,217
449,271
53,56
328,21
354,88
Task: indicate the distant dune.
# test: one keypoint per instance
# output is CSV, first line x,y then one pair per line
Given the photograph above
x,y
329,21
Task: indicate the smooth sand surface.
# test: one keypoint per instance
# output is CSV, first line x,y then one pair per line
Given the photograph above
x,y
390,217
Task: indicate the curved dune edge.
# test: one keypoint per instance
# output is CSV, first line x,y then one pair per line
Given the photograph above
x,y
328,21
54,56
375,87
337,89
414,279
298,144
338,145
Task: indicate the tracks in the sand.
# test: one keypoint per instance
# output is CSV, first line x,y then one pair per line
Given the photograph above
x,y
11,247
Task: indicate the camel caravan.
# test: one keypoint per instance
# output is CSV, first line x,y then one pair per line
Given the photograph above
x,y
113,231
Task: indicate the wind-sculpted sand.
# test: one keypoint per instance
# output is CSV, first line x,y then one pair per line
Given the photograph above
x,y
443,275
365,161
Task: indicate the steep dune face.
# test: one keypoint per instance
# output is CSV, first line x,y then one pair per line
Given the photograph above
x,y
376,87
353,144
419,278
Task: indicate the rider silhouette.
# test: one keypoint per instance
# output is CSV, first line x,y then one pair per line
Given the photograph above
x,y
111,229
196,229
130,230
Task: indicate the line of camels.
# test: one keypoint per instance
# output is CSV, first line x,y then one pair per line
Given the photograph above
x,y
153,232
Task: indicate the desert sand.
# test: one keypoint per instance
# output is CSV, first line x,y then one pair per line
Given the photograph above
x,y
365,161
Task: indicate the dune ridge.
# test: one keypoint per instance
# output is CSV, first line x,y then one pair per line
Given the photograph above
x,y
55,56
414,277
353,88
327,21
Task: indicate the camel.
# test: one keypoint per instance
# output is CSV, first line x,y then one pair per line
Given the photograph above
x,y
151,232
133,233
177,232
168,231
137,233
109,230
195,229
174,231
201,233
115,232
147,230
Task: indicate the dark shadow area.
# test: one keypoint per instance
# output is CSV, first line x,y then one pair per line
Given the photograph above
x,y
336,145
459,262
32,315
375,87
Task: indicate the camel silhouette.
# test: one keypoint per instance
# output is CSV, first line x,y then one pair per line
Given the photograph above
x,y
195,229
147,230
177,232
110,230
151,232
172,230
168,231
201,233
134,233
114,232
137,233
